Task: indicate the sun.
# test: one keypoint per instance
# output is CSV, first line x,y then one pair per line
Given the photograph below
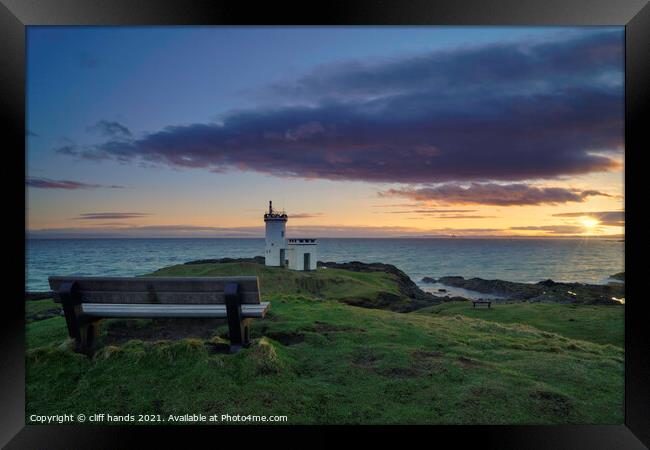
x,y
589,222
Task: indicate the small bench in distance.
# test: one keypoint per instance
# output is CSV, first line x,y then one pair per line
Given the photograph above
x,y
87,300
481,303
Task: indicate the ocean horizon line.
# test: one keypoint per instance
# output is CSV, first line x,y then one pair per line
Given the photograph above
x,y
617,238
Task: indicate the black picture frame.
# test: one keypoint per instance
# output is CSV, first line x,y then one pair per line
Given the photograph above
x,y
15,15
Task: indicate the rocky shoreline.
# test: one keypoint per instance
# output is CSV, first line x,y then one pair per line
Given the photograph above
x,y
506,291
543,291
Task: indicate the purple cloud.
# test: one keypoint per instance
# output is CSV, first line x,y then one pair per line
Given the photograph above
x,y
494,194
463,216
110,129
46,183
505,112
428,211
304,215
513,67
442,213
110,216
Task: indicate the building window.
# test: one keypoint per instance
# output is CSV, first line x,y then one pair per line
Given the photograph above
x,y
282,233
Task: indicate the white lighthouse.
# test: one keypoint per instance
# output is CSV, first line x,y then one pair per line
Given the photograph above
x,y
276,242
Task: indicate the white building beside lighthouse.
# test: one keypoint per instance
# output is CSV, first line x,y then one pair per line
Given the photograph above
x,y
302,253
295,253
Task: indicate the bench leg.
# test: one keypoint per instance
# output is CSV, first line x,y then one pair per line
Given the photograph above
x,y
89,332
70,303
238,327
83,330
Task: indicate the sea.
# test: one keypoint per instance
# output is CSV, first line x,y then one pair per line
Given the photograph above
x,y
524,260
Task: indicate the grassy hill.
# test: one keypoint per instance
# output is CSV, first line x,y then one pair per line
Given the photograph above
x,y
318,359
376,289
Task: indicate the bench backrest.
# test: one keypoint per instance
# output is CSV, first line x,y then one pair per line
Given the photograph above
x,y
158,290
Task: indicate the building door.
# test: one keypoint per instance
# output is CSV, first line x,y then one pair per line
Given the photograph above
x,y
307,257
282,257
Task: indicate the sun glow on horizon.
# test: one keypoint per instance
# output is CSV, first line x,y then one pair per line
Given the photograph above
x,y
589,222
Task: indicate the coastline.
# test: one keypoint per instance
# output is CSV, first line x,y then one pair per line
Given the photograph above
x,y
542,291
430,290
584,262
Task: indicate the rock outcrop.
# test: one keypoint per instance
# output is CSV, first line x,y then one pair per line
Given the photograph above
x,y
406,286
544,291
618,276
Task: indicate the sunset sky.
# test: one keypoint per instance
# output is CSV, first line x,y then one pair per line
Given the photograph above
x,y
354,131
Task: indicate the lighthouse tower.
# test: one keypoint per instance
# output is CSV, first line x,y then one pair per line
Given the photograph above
x,y
276,242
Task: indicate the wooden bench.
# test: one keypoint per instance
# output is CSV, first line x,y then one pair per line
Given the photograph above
x,y
87,300
481,303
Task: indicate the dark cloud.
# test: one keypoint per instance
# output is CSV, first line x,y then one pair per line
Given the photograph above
x,y
442,213
494,194
607,218
463,216
428,211
398,205
83,152
522,67
304,215
110,129
46,183
444,232
553,229
505,112
110,216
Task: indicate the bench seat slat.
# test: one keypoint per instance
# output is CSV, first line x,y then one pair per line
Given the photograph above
x,y
143,297
152,311
159,284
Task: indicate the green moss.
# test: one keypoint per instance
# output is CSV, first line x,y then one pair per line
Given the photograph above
x,y
46,332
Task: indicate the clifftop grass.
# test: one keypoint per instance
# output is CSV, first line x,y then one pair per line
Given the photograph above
x,y
599,324
368,289
317,359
